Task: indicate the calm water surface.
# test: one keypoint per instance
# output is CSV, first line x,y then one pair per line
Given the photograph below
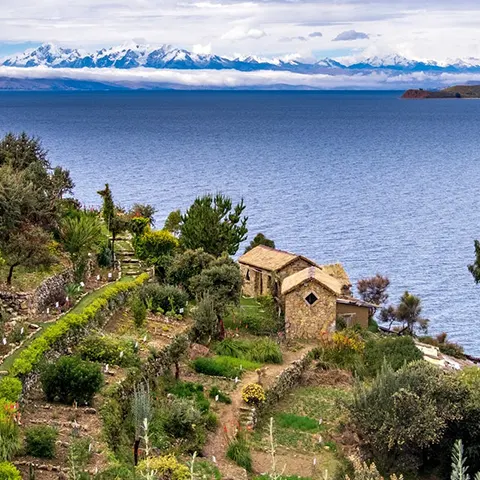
x,y
377,183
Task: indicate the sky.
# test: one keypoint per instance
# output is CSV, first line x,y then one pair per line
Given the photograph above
x,y
429,29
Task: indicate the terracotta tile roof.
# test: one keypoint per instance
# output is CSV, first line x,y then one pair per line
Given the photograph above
x,y
266,258
312,273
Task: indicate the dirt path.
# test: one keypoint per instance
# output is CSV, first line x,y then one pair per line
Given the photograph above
x,y
229,415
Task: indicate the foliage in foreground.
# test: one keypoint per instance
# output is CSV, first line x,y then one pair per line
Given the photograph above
x,y
9,430
167,467
10,389
403,414
239,452
108,349
9,472
263,350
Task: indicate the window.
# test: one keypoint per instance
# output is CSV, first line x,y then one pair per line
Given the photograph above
x,y
247,276
311,298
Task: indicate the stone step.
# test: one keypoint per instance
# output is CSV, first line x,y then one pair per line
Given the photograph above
x,y
129,260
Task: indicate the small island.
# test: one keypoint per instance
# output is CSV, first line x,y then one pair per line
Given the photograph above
x,y
458,91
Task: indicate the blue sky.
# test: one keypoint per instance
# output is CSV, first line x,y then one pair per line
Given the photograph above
x,y
429,29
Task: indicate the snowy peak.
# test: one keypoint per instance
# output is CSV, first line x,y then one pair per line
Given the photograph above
x,y
133,55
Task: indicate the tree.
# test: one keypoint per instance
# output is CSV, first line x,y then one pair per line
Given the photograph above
x,y
79,236
260,239
29,246
409,311
206,324
186,265
173,222
145,211
214,224
223,283
474,269
116,221
374,289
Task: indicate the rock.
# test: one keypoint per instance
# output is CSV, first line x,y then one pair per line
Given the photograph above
x,y
197,350
90,411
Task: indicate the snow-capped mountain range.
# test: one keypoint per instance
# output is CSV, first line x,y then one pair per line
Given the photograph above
x,y
167,57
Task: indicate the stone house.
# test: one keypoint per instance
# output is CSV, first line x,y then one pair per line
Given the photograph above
x,y
264,269
312,300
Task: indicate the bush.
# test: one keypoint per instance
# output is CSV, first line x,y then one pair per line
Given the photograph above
x,y
163,298
447,348
9,430
239,452
403,414
9,472
222,397
40,441
211,422
396,351
167,467
10,389
182,419
71,379
31,356
223,366
107,349
253,394
191,390
139,311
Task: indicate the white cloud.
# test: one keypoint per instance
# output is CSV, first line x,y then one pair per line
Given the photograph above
x,y
192,79
351,35
239,33
202,49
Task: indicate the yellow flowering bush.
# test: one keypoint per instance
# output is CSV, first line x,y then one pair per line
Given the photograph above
x,y
253,393
164,467
348,339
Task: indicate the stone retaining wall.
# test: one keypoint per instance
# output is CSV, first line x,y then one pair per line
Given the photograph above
x,y
49,292
284,383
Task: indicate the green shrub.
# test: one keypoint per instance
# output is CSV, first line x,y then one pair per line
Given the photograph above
x,y
211,421
10,389
296,422
372,325
222,397
31,357
452,349
9,472
108,349
139,311
191,390
79,452
265,350
224,366
259,319
396,351
163,298
239,452
182,419
231,347
403,415
40,441
71,379
206,326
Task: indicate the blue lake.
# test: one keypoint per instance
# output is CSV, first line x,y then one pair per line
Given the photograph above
x,y
377,183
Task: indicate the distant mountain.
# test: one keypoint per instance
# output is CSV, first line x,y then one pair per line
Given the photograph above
x,y
132,56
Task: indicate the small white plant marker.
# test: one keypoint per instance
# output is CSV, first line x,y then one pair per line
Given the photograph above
x,y
57,305
4,341
90,447
236,379
110,275
22,330
136,345
216,398
320,439
320,421
66,299
82,284
121,354
106,368
144,339
48,311
314,461
214,460
98,278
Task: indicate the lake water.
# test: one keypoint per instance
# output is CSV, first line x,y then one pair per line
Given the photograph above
x,y
366,179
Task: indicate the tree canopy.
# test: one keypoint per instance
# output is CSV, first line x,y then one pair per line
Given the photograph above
x,y
260,239
214,224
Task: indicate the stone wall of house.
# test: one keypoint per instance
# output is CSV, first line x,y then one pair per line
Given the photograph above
x,y
296,266
303,320
248,283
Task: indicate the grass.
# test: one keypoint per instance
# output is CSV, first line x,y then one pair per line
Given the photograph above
x,y
221,366
239,452
78,308
297,422
26,279
297,426
263,350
